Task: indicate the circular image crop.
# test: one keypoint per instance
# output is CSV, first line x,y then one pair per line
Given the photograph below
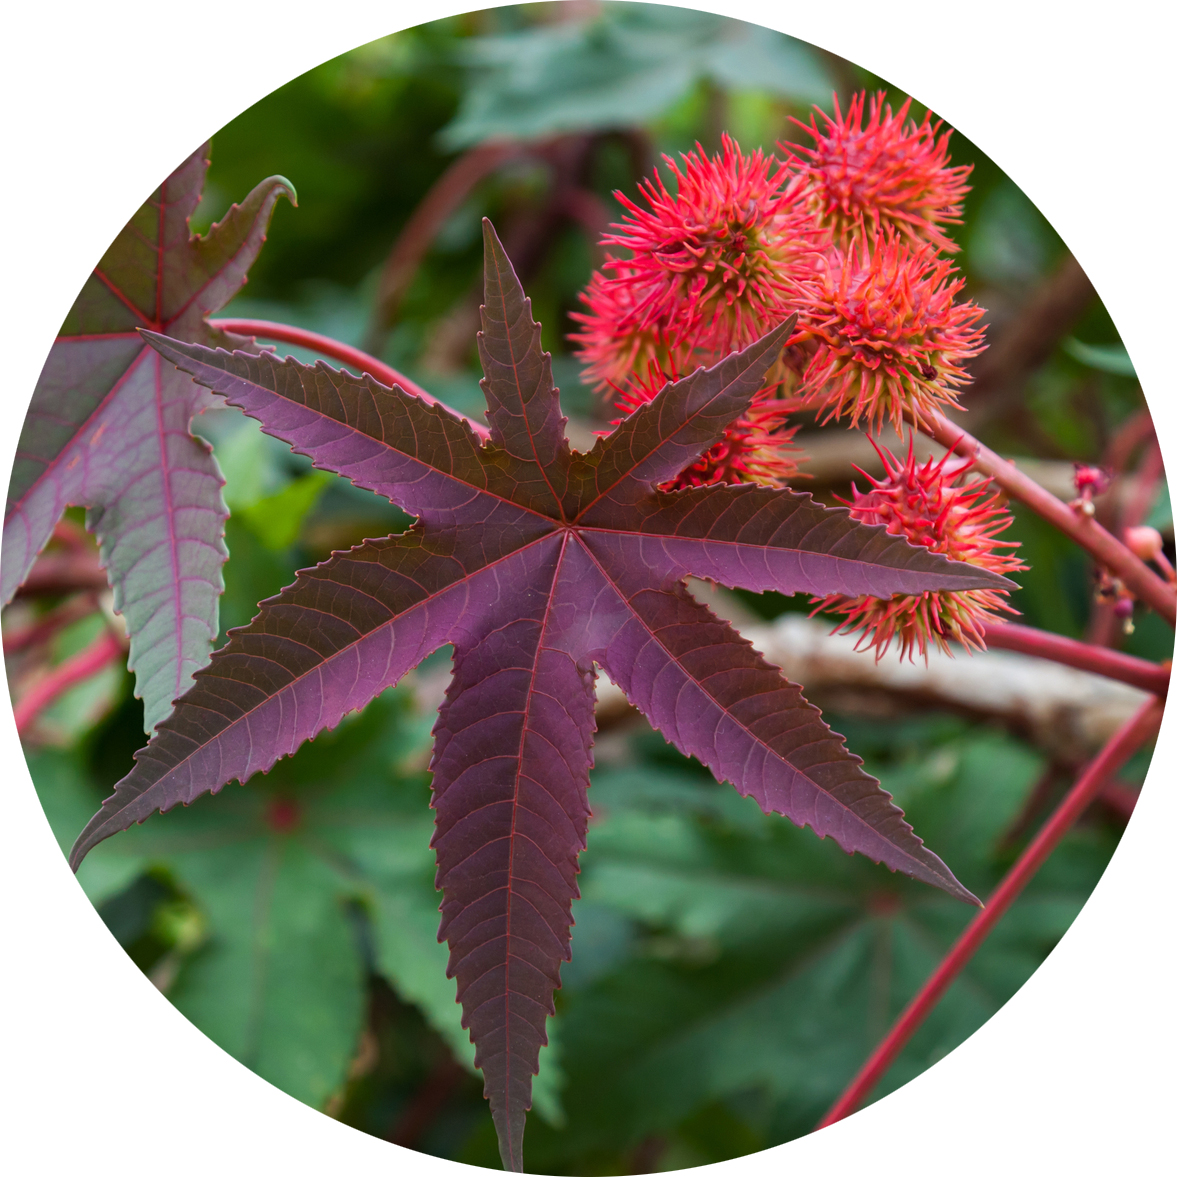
x,y
661,528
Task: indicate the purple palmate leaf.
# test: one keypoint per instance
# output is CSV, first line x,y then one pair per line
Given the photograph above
x,y
523,412
751,537
537,563
708,691
510,780
108,429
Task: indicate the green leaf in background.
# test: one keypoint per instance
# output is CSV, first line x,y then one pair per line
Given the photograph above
x,y
627,65
278,870
67,796
764,968
729,975
280,983
277,519
1109,357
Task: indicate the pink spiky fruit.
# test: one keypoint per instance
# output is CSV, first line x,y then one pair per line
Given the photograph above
x,y
887,174
933,507
887,333
708,267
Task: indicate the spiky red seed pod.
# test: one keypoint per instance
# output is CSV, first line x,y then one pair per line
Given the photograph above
x,y
754,448
888,174
708,267
614,345
888,332
932,507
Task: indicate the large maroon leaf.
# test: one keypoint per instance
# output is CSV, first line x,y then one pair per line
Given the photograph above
x,y
325,646
522,406
708,691
419,456
108,429
758,538
510,780
665,435
536,563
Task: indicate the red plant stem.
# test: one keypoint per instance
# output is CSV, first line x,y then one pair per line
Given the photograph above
x,y
43,629
1136,430
105,649
57,573
1084,530
1148,477
1137,672
1120,798
345,354
1115,752
67,533
433,210
428,1102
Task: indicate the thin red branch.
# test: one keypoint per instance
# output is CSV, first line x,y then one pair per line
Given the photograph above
x,y
57,573
1137,672
1144,492
345,354
1120,798
1141,727
45,627
1133,432
1029,338
446,195
1084,530
108,647
432,1096
72,536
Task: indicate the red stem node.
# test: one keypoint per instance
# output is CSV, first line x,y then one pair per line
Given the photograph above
x,y
345,354
1141,727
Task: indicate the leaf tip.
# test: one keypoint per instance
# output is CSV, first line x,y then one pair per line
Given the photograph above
x,y
281,182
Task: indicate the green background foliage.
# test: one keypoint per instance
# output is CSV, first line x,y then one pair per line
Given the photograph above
x,y
730,973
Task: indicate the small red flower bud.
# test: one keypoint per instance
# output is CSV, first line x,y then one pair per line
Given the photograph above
x,y
1145,542
1091,480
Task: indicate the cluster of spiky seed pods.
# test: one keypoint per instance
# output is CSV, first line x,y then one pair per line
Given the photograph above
x,y
849,233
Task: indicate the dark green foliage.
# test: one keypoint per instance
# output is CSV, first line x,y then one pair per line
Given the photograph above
x,y
629,64
760,967
729,972
276,973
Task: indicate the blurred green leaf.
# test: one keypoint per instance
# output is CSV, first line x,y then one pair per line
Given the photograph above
x,y
1008,241
624,67
273,868
68,798
765,964
277,519
1108,357
280,982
